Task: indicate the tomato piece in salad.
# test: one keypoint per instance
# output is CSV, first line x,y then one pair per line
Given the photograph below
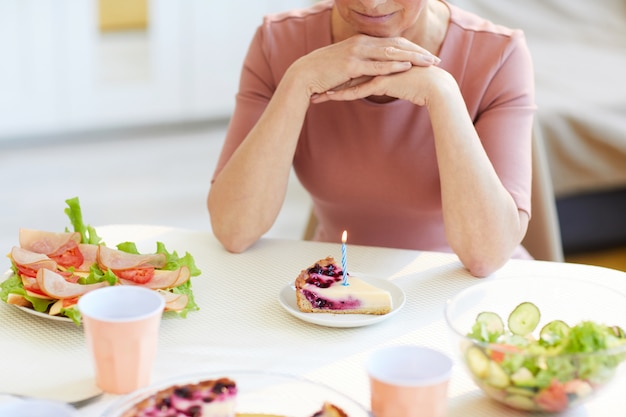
x,y
25,271
553,398
33,288
68,256
137,275
68,302
498,354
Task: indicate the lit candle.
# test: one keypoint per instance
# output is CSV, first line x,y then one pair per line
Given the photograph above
x,y
344,237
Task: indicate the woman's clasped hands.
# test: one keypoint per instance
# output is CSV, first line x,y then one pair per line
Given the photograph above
x,y
363,66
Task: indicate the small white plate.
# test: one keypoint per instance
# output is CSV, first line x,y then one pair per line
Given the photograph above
x,y
287,299
45,315
258,393
36,408
8,275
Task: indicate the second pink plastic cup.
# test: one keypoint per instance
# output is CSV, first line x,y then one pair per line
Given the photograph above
x,y
121,326
409,381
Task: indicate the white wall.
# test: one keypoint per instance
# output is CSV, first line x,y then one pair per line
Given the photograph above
x,y
60,74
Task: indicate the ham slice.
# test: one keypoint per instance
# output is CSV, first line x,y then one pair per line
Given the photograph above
x,y
117,260
174,302
31,286
56,286
163,279
68,255
46,242
25,258
90,253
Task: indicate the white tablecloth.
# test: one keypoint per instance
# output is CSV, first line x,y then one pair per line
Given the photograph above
x,y
241,324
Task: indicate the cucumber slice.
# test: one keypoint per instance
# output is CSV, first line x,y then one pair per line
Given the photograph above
x,y
524,319
521,402
496,377
554,331
524,391
523,378
477,362
514,340
488,327
492,321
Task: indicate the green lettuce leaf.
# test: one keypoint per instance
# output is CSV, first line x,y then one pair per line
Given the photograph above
x,y
73,313
14,285
173,262
88,234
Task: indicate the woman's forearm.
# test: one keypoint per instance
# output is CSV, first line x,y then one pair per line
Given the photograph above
x,y
248,193
482,222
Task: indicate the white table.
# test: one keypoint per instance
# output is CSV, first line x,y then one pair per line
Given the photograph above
x,y
241,324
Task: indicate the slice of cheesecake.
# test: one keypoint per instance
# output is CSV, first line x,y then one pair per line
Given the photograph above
x,y
327,410
330,410
320,289
210,398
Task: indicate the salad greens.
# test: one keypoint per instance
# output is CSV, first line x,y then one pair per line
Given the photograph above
x,y
549,372
88,234
14,284
173,262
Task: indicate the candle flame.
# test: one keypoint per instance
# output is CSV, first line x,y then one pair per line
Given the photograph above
x,y
344,236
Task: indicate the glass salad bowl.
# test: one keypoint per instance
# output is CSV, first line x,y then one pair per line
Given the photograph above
x,y
258,394
539,343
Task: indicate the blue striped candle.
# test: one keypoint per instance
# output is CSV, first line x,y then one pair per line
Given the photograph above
x,y
344,237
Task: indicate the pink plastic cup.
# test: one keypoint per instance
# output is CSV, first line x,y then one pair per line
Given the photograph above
x,y
121,329
409,381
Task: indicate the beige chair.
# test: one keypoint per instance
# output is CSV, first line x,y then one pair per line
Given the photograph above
x,y
543,238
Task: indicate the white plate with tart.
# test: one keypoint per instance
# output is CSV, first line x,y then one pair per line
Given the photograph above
x,y
237,394
342,318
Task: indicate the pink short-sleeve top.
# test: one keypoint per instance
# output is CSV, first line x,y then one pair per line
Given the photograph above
x,y
370,168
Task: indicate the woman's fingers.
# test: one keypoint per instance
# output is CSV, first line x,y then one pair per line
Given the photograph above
x,y
395,49
415,58
347,63
372,68
412,85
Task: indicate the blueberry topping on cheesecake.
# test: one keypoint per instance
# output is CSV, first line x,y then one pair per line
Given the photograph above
x,y
210,398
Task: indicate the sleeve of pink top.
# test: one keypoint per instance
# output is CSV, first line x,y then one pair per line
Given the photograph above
x,y
254,93
505,118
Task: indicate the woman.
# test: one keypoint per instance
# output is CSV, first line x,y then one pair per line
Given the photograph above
x,y
408,121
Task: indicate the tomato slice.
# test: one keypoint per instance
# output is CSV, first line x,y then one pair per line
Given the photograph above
x,y
553,398
26,271
69,255
68,302
69,277
36,290
137,275
501,352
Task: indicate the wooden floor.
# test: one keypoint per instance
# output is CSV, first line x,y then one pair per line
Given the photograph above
x,y
611,258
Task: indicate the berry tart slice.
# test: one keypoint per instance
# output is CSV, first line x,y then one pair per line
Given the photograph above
x,y
210,398
327,410
330,410
320,289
